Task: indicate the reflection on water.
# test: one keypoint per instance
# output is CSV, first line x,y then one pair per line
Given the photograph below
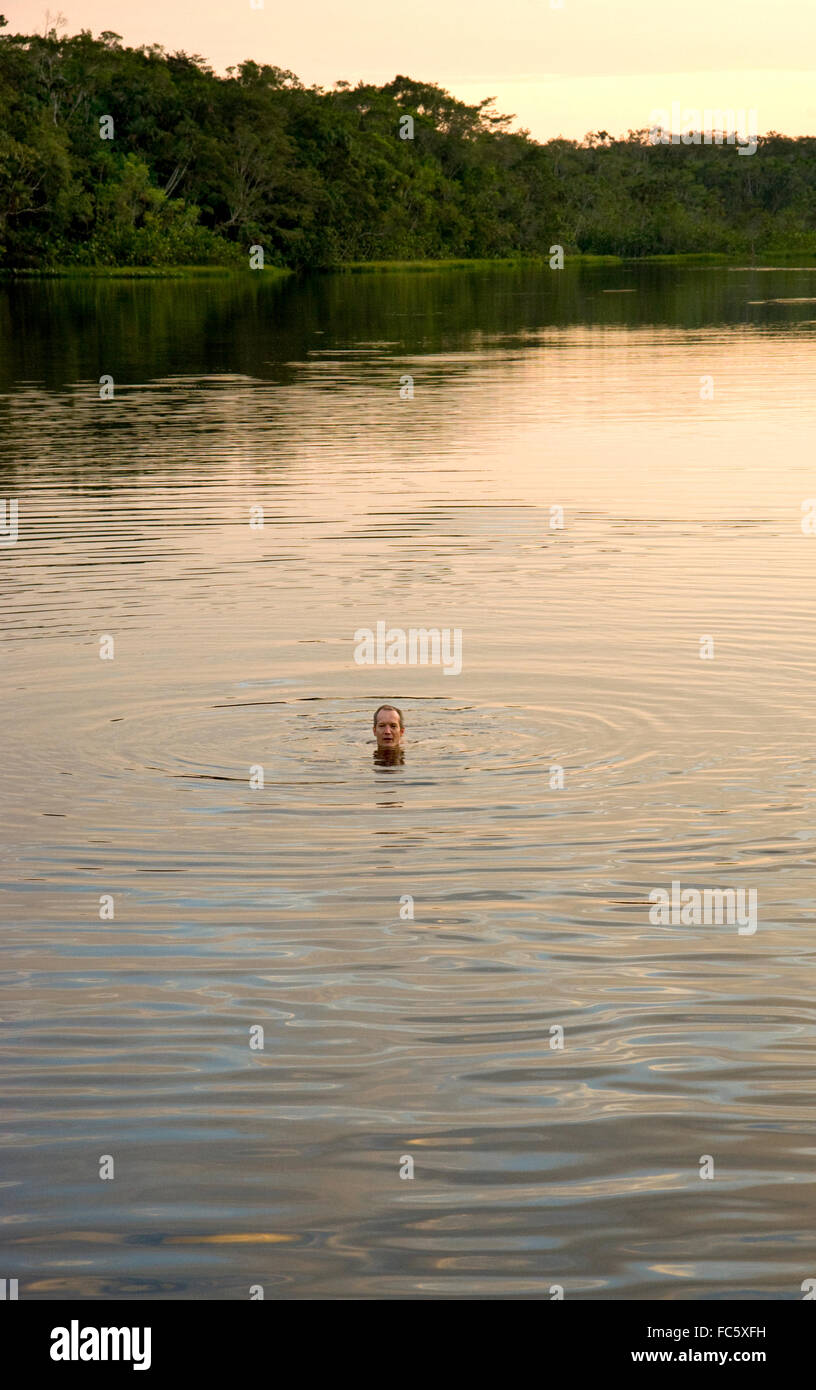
x,y
388,758
200,843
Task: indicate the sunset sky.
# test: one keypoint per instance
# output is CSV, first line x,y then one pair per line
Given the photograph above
x,y
592,64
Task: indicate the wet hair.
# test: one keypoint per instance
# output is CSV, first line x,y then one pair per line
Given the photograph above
x,y
396,711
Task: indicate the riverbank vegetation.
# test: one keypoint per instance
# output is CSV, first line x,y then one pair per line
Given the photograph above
x,y
113,156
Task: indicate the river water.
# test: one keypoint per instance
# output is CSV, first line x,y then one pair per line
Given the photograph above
x,y
597,478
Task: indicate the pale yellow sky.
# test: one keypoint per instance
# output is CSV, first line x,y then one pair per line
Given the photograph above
x,y
590,64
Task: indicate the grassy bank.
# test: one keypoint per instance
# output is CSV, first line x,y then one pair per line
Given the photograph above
x,y
462,263
137,272
576,258
209,272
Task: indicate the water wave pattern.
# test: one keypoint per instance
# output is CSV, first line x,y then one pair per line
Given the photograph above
x,y
586,755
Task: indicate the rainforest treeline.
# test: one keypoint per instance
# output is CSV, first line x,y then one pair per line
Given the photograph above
x,y
133,156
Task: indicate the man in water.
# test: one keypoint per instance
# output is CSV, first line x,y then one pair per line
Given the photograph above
x,y
389,727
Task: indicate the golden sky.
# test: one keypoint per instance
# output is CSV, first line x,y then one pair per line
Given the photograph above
x,y
588,65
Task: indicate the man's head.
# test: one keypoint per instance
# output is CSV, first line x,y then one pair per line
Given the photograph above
x,y
388,727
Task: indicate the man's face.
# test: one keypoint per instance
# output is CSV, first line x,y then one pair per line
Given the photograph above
x,y
387,729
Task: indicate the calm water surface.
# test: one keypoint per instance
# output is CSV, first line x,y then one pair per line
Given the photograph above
x,y
279,906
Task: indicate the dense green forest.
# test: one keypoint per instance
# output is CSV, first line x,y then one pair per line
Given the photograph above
x,y
198,168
